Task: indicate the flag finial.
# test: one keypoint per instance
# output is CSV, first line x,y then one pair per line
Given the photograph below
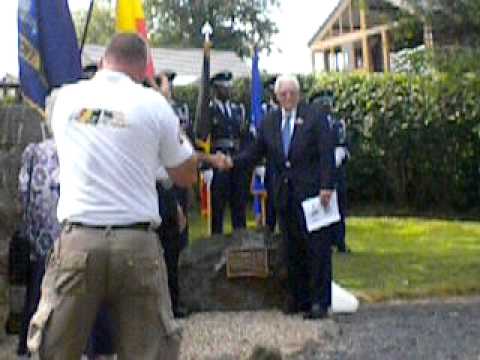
x,y
207,31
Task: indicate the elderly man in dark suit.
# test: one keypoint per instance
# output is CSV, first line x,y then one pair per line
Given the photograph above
x,y
295,139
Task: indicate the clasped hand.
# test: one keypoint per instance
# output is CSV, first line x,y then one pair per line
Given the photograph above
x,y
325,196
221,161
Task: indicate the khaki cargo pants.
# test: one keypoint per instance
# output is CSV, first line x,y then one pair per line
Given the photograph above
x,y
121,268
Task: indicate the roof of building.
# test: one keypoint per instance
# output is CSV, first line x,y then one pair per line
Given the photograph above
x,y
187,63
341,3
9,79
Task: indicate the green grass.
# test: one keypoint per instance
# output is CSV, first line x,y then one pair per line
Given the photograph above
x,y
396,258
410,257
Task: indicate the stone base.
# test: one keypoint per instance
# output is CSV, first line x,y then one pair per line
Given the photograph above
x,y
204,285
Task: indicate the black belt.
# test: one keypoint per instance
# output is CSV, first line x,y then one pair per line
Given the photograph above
x,y
134,226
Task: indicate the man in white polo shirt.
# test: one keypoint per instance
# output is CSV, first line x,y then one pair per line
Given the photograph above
x,y
112,135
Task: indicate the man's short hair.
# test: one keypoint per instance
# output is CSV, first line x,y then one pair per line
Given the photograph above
x,y
286,78
128,49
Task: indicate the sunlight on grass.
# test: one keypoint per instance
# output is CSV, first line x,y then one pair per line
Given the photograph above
x,y
410,257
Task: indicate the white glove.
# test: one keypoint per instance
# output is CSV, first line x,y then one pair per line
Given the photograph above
x,y
260,172
208,176
253,130
340,154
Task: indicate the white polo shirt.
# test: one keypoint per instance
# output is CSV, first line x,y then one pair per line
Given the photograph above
x,y
112,135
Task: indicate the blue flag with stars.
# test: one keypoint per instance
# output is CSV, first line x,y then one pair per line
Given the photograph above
x,y
258,186
257,92
48,52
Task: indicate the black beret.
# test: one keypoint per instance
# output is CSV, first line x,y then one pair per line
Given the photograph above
x,y
223,78
270,83
323,96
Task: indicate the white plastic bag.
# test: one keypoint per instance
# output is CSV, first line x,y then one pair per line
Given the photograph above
x,y
342,300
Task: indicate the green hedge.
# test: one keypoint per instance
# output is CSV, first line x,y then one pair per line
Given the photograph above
x,y
415,140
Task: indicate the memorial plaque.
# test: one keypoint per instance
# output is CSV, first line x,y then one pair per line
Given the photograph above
x,y
247,262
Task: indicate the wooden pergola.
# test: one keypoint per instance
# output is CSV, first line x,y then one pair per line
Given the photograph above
x,y
356,37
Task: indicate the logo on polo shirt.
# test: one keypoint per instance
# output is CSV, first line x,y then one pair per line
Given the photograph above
x,y
100,117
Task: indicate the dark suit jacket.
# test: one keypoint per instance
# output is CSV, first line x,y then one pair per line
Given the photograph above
x,y
310,162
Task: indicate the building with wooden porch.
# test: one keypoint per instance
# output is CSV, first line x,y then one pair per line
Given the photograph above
x,y
357,36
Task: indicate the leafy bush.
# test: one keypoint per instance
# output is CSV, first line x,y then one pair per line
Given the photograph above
x,y
415,139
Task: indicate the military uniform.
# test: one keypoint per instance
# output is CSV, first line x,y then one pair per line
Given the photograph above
x,y
271,214
229,133
169,197
324,99
181,194
341,157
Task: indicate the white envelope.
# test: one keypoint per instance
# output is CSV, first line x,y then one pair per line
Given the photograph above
x,y
317,216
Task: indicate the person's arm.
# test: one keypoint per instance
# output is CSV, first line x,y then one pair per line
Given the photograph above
x,y
185,174
216,160
254,152
175,152
181,175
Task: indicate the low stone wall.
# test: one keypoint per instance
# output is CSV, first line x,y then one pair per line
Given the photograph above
x,y
19,126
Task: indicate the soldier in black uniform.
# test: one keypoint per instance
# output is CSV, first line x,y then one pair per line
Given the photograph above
x,y
269,105
173,203
229,133
325,101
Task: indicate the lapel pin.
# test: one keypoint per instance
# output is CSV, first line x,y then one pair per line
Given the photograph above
x,y
298,121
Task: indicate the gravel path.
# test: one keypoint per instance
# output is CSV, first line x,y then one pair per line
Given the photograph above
x,y
434,329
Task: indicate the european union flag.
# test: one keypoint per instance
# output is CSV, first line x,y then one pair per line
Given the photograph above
x,y
48,52
257,92
258,185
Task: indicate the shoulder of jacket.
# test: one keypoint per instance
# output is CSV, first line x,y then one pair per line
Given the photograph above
x,y
271,115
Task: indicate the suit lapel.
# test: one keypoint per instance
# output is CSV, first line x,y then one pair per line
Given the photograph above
x,y
278,132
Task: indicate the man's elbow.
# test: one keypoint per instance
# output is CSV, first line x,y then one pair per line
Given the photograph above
x,y
187,180
184,175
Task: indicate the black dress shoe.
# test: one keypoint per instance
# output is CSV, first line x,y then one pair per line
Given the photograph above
x,y
316,313
305,307
180,313
290,307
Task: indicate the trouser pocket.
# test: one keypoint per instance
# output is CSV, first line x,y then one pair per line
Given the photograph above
x,y
141,276
70,277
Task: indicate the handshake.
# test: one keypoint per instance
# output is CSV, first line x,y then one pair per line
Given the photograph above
x,y
218,160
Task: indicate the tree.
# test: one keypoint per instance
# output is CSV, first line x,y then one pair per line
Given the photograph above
x,y
453,22
237,24
102,23
455,26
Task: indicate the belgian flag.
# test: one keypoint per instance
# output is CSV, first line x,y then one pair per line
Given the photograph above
x,y
131,18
